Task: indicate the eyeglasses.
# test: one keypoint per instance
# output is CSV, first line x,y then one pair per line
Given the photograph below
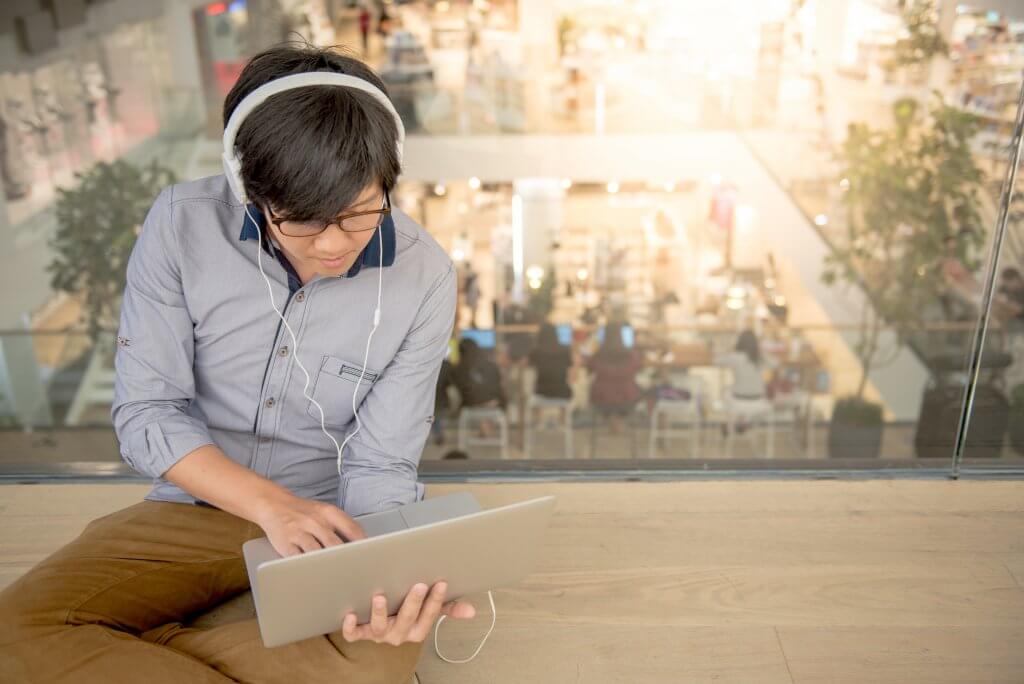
x,y
356,222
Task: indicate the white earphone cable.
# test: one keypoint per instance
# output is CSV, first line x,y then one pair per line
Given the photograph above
x,y
291,333
366,356
437,649
295,343
355,413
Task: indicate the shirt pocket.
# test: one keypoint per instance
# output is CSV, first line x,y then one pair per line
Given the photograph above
x,y
333,389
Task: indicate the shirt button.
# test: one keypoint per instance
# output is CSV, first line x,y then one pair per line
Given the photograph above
x,y
270,402
283,351
301,296
264,439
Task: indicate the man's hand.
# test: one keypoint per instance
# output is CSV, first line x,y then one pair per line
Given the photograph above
x,y
414,619
295,525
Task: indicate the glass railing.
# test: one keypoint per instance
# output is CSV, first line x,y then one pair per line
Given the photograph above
x,y
675,397
685,394
790,297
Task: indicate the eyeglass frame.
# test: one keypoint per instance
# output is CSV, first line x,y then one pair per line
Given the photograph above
x,y
384,212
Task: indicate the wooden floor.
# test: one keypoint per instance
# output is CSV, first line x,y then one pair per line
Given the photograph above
x,y
720,581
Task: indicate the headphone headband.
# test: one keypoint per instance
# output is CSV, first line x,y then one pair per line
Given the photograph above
x,y
233,165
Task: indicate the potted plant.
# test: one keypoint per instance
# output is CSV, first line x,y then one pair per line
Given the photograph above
x,y
909,188
856,428
97,223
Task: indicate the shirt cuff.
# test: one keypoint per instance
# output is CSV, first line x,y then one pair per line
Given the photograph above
x,y
165,445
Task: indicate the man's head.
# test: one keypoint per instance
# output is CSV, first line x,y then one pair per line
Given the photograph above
x,y
314,154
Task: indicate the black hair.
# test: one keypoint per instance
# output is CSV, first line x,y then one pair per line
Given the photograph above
x,y
747,344
547,338
310,152
469,352
612,347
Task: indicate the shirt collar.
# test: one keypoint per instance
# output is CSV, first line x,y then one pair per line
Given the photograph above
x,y
370,256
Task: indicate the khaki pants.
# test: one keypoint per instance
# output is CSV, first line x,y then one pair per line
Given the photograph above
x,y
111,607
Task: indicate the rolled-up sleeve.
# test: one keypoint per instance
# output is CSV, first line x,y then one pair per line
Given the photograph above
x,y
154,381
381,460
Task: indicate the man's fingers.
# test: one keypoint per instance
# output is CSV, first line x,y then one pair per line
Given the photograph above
x,y
327,537
410,609
307,542
379,616
432,608
348,628
342,522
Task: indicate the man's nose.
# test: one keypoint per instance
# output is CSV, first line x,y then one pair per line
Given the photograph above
x,y
334,240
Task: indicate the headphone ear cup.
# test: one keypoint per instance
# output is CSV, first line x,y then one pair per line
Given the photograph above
x,y
233,173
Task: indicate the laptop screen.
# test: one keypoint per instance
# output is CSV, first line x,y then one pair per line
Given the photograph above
x,y
483,338
564,332
628,336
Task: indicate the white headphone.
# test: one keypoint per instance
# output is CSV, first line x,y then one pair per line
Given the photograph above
x,y
233,165
233,173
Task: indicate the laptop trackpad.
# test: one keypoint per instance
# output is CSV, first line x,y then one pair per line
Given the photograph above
x,y
419,513
376,524
438,509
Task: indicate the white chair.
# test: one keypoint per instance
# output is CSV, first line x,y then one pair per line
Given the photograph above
x,y
798,406
755,412
541,402
479,413
675,411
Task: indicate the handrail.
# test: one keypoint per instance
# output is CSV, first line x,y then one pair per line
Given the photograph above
x,y
940,326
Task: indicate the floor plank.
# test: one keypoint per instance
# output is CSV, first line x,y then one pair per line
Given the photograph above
x,y
625,654
923,655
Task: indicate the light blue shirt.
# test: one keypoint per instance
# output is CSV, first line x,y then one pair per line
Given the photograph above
x,y
202,358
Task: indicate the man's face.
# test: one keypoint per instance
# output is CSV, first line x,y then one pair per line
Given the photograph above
x,y
334,251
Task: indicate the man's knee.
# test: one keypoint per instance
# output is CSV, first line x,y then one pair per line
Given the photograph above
x,y
22,616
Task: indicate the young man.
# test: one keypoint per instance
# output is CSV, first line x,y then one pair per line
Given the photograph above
x,y
210,403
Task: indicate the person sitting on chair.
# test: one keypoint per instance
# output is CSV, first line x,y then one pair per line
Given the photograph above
x,y
478,381
614,392
554,365
748,386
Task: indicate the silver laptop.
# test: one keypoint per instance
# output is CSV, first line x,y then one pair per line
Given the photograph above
x,y
445,538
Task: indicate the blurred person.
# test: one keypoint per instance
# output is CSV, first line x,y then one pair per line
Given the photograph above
x,y
442,403
364,27
385,24
478,381
445,380
614,391
208,403
554,363
518,343
1009,302
748,393
745,363
471,293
